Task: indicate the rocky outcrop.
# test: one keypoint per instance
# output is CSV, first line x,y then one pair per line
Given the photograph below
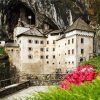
x,y
55,13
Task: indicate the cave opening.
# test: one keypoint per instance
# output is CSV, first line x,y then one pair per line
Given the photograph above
x,y
22,11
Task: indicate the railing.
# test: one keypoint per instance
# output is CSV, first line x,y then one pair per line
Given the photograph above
x,y
6,82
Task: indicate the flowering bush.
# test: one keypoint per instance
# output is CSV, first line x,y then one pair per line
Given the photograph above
x,y
82,74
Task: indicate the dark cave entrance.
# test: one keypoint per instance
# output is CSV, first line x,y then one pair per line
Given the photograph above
x,y
22,11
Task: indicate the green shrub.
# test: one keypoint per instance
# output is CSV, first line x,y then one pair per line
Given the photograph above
x,y
94,62
84,92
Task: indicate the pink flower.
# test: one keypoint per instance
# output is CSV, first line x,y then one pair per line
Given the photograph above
x,y
83,73
65,84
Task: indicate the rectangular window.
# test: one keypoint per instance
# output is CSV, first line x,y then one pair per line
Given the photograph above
x,y
12,50
41,42
29,48
47,57
41,57
72,40
82,51
53,41
82,40
68,41
29,41
53,49
72,62
72,51
47,42
41,49
47,62
47,49
53,56
68,51
36,42
30,56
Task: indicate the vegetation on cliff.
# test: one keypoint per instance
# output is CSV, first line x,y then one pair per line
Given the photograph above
x,y
95,61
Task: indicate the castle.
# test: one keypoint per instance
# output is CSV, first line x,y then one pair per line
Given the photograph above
x,y
36,52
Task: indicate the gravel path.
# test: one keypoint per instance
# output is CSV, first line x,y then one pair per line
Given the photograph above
x,y
25,93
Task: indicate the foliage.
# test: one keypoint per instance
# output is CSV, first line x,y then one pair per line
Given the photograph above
x,y
6,69
84,92
2,50
82,74
94,62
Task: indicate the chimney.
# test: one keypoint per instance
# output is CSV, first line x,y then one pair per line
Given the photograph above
x,y
46,27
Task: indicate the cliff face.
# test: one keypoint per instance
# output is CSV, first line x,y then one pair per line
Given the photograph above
x,y
55,13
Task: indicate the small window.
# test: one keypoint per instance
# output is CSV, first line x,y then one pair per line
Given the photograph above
x,y
72,40
53,49
8,50
65,43
41,57
47,57
46,49
30,56
65,62
53,63
72,51
41,49
12,50
82,40
36,42
72,62
65,53
81,59
53,56
47,42
41,42
82,51
69,62
68,41
30,49
29,41
68,51
59,54
47,62
59,62
53,41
